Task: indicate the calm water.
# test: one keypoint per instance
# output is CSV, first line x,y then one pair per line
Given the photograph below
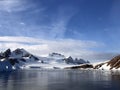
x,y
60,80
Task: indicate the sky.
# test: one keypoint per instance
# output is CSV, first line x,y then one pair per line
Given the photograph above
x,y
86,29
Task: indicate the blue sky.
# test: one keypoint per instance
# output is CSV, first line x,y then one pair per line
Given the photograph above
x,y
95,21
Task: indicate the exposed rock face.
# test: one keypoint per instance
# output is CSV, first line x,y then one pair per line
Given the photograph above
x,y
70,60
5,54
33,57
1,56
81,66
13,61
20,53
56,54
115,62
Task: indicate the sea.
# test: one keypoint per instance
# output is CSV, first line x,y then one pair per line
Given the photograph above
x,y
60,80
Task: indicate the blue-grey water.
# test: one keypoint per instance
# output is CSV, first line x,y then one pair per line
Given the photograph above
x,y
60,80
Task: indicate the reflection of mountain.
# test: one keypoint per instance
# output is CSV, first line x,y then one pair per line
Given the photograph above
x,y
20,59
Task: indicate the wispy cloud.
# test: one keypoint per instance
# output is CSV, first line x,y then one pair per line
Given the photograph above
x,y
14,5
42,47
18,39
58,29
21,24
60,22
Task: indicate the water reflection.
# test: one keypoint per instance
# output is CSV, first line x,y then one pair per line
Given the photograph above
x,y
4,77
60,80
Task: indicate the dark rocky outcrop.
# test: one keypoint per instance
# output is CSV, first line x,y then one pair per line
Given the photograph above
x,y
21,52
69,60
84,66
1,56
13,61
34,57
115,62
5,54
18,51
56,55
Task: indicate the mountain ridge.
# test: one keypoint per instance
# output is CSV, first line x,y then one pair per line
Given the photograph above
x,y
20,59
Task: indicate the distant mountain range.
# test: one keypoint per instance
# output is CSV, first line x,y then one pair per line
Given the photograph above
x,y
22,59
113,64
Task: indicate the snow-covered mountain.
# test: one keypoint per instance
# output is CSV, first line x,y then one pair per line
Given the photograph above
x,y
21,59
70,60
113,64
15,59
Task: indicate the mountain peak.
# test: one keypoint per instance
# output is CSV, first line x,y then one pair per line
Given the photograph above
x,y
20,53
56,55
